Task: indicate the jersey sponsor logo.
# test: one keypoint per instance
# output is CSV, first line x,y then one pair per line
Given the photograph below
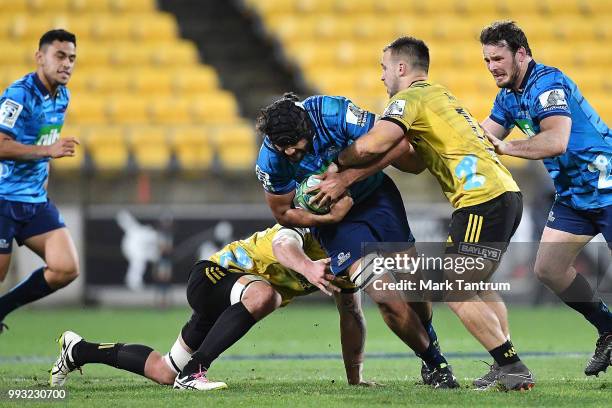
x,y
551,216
4,243
343,257
553,99
396,108
602,165
264,178
48,135
356,115
526,127
9,112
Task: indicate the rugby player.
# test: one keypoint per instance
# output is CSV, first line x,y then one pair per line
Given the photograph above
x,y
566,132
302,138
487,201
228,293
32,114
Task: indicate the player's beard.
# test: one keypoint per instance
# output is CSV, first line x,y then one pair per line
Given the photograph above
x,y
512,81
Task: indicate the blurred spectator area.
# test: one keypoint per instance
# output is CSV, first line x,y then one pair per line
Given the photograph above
x,y
141,98
337,44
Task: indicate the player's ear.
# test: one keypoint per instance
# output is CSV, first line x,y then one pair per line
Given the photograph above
x,y
38,56
521,53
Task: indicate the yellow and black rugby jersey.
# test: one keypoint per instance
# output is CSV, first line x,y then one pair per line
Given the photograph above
x,y
451,143
254,255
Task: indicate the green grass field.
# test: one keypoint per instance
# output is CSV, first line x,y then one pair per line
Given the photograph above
x,y
28,348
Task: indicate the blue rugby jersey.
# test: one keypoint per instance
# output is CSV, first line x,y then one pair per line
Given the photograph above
x,y
582,175
31,116
337,123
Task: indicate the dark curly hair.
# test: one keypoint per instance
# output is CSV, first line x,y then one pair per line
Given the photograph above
x,y
285,122
505,32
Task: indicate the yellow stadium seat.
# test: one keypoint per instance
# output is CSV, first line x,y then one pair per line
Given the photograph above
x,y
151,81
108,27
271,7
46,6
154,28
201,79
316,7
129,109
108,148
12,55
475,7
108,81
237,150
193,147
13,6
596,7
89,6
150,147
217,107
347,7
87,108
121,6
89,55
173,111
179,54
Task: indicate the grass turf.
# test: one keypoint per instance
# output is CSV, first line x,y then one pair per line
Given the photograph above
x,y
27,349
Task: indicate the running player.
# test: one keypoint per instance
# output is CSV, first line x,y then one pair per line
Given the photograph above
x,y
238,286
301,138
32,113
574,143
455,150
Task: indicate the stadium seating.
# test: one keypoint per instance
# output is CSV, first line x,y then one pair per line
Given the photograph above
x,y
337,44
140,95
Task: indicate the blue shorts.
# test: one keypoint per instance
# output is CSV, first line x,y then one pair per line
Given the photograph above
x,y
24,220
581,222
379,218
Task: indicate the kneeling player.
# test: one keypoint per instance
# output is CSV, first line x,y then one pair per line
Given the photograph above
x,y
229,293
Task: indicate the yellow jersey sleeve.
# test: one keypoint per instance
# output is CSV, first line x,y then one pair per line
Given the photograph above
x,y
402,109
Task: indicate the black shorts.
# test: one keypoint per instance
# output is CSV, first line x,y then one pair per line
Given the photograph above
x,y
485,229
209,288
208,293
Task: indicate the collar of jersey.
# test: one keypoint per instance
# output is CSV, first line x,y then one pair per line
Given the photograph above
x,y
42,88
530,68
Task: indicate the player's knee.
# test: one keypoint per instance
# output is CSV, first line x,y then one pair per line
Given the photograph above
x,y
544,273
261,299
61,274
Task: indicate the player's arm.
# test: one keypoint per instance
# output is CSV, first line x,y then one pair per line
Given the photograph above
x,y
383,136
286,215
551,141
352,336
494,129
334,184
10,149
287,246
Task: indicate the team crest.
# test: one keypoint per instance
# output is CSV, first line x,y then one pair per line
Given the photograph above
x,y
396,108
555,98
9,112
355,115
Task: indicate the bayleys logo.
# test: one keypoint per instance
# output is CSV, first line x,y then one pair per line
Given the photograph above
x,y
343,257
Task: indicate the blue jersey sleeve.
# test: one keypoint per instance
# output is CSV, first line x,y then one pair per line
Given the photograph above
x,y
357,121
500,114
273,171
549,96
14,111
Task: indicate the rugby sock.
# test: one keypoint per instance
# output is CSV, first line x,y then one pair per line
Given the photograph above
x,y
432,356
504,354
579,296
30,289
233,323
130,357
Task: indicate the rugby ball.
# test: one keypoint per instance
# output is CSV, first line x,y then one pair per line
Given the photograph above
x,y
302,198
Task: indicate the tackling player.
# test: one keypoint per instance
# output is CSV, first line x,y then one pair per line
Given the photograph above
x,y
574,143
301,138
238,286
32,113
488,204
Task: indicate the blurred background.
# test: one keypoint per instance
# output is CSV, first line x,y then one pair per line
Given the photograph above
x,y
165,94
